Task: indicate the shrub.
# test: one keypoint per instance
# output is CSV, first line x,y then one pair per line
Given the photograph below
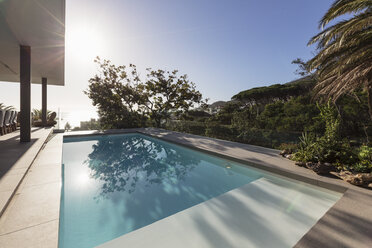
x,y
216,130
306,152
365,160
197,128
288,146
267,138
329,147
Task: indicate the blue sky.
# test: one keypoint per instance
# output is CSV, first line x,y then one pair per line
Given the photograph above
x,y
224,46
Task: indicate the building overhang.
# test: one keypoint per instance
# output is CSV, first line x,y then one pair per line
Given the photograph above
x,y
39,24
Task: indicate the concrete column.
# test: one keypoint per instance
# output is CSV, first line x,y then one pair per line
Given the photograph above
x,y
25,80
44,101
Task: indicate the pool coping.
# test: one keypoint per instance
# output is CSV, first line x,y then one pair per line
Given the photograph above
x,y
348,223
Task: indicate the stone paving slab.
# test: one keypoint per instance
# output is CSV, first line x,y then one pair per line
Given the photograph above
x,y
32,206
41,236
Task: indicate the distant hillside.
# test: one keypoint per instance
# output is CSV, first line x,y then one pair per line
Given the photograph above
x,y
217,104
307,81
277,91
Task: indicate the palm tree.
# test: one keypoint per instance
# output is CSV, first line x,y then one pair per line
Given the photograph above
x,y
3,106
343,63
37,114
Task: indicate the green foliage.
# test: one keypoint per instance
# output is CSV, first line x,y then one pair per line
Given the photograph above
x,y
216,130
267,138
195,115
296,115
343,66
288,146
222,118
226,114
329,147
284,121
365,153
365,160
37,114
272,93
302,69
343,62
244,119
193,127
306,140
354,115
165,92
124,100
332,121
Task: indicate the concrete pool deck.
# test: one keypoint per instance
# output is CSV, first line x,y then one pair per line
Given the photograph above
x,y
31,219
15,160
32,216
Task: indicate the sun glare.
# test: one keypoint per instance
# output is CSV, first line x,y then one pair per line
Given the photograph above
x,y
84,42
82,179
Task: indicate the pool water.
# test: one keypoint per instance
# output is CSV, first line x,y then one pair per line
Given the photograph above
x,y
115,184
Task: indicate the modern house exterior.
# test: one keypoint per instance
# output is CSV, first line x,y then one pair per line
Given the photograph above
x,y
32,50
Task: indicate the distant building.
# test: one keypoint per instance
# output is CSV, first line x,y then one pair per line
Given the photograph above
x,y
216,107
92,124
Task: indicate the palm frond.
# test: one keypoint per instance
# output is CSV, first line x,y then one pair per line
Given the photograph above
x,y
344,59
342,7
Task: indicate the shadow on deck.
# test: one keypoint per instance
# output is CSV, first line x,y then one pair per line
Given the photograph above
x,y
15,159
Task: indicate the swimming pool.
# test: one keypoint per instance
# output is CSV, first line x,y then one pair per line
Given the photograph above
x,y
115,184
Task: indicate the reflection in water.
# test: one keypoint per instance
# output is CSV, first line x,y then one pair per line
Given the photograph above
x,y
118,183
121,163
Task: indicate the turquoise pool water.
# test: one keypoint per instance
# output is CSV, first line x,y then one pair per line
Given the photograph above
x,y
115,184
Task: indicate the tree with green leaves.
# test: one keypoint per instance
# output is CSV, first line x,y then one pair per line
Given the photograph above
x,y
166,93
343,63
260,96
114,92
124,99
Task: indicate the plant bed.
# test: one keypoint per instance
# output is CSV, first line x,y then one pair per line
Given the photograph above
x,y
362,179
358,179
329,154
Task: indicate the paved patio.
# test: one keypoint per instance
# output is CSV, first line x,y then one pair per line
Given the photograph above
x,y
31,219
15,159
